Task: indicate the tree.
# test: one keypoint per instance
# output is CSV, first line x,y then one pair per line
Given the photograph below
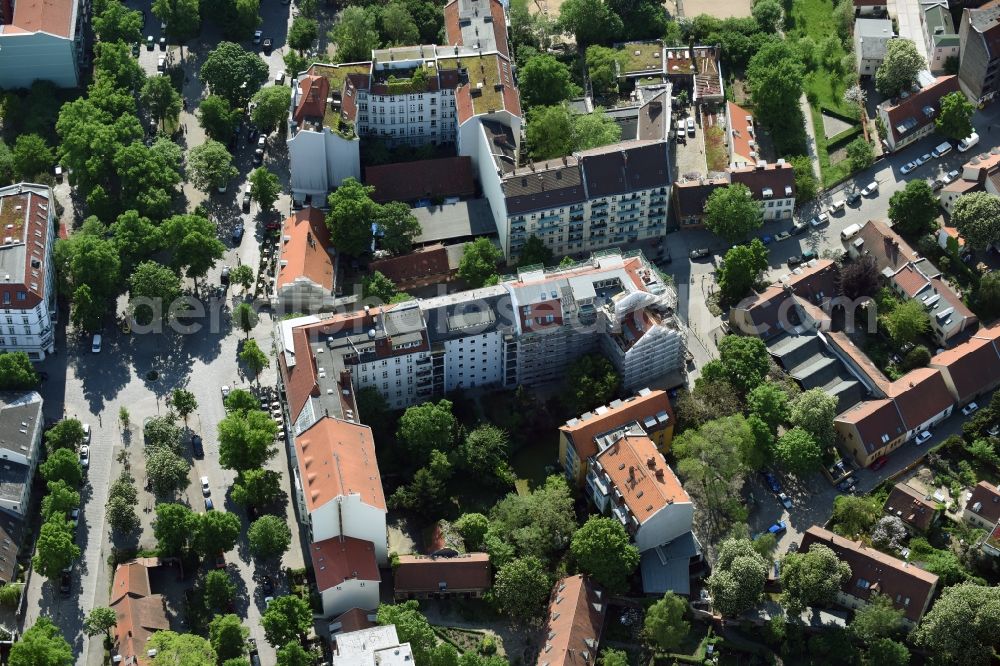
x,y
859,278
16,372
549,132
240,400
293,654
100,620
245,317
211,166
188,649
770,403
534,251
918,357
246,440
303,33
860,154
611,657
122,516
478,265
116,71
254,358
602,68
6,163
899,68
167,471
228,636
664,625
181,16
814,411
162,432
215,532
217,117
426,493
256,487
890,533
887,652
62,465
484,454
737,581
269,537
183,402
544,81
522,588
742,268
242,275
977,218
411,627
355,35
351,213
774,76
156,287
731,212
768,14
602,549
59,500
427,426
590,21
811,578
853,515
55,549
173,528
218,589
32,156
906,322
473,528
148,176
877,619
398,26
41,645
161,99
66,434
796,452
805,178
961,625
398,227
118,23
379,287
988,295
288,618
743,361
271,107
954,121
264,188
234,73
539,524
136,238
914,209
590,381
593,130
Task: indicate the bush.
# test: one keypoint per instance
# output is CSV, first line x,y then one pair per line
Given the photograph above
x,y
10,595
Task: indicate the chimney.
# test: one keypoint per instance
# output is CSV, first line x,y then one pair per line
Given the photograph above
x,y
659,474
631,474
651,462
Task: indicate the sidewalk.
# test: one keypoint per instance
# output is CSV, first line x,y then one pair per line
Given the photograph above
x,y
810,136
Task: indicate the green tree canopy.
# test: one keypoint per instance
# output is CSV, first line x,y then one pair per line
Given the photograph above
x,y
602,67
742,268
379,287
210,166
899,68
553,131
153,288
269,537
914,209
774,76
303,33
293,654
215,532
770,403
876,620
797,452
988,295
66,434
534,251
887,652
737,581
806,184
55,549
398,227
234,73
100,620
603,549
521,589
62,465
355,35
544,81
118,23
271,107
264,188
218,589
814,411
16,372
286,619
478,265
167,471
427,426
590,381
906,322
161,99
60,500
351,214
665,626
860,154
539,524
246,440
485,453
732,213
188,649
32,157
743,361
173,528
955,118
590,21
411,627
183,17
217,117
854,515
768,14
473,528
811,578
162,432
961,625
256,487
977,218
254,358
228,636
245,317
41,645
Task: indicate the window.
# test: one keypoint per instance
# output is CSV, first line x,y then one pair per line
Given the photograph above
x,y
21,296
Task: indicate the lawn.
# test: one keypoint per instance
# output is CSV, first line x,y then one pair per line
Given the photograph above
x,y
715,149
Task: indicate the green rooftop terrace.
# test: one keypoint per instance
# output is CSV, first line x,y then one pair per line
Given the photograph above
x,y
483,70
641,57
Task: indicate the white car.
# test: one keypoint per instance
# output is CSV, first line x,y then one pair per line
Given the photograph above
x,y
786,501
970,409
84,456
968,142
870,188
96,344
908,167
225,392
86,433
923,437
257,34
923,159
205,489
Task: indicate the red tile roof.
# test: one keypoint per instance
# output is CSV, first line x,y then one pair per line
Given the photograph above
x,y
920,395
355,619
417,574
306,250
877,422
640,473
52,16
574,625
312,102
138,613
910,506
605,419
337,458
426,263
338,559
987,496
885,246
911,280
741,134
914,105
423,179
906,585
778,178
974,365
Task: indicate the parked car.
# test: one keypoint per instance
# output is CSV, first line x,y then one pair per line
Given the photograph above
x,y
150,42
968,142
993,430
220,561
778,528
238,233
879,464
870,188
74,518
161,64
951,176
206,490
257,35
699,253
95,346
795,260
209,504
908,167
853,199
923,159
923,437
799,227
765,239
135,50
246,199
846,485
163,43
86,433
970,409
65,583
941,150
782,235
225,392
786,501
808,255
819,220
772,482
937,184
224,278
85,457
267,46
197,447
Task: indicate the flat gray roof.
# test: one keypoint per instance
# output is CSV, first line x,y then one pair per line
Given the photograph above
x,y
456,221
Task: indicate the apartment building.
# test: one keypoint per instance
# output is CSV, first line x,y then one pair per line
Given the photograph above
x,y
21,423
871,41
910,117
742,137
771,185
971,369
979,61
939,35
27,272
346,572
407,95
908,587
306,270
44,41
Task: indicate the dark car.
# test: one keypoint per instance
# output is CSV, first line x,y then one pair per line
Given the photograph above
x,y
267,585
795,260
220,561
252,646
238,234
853,199
267,46
225,275
196,446
65,583
772,482
879,464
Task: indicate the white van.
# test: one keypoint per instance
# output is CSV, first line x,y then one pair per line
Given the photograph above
x,y
942,150
836,207
968,142
850,232
279,79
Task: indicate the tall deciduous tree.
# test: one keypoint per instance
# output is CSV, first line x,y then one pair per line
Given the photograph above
x,y
906,322
16,372
215,532
217,117
183,17
183,402
534,251
743,267
173,528
961,626
153,288
100,620
590,21
545,81
774,76
303,33
665,626
805,178
254,358
854,515
397,227
914,209
411,627
814,411
233,73
877,619
478,265
245,317
188,649
813,577
246,440
66,434
55,549
603,549
118,23
351,213
60,500
590,381
860,154
539,524
218,589
521,588
356,35
955,119
256,487
770,403
427,426
859,278
161,99
288,618
796,452
228,636
269,537
602,67
271,107
62,465
737,581
32,156
264,188
41,645
731,212
167,471
193,244
899,68
211,166
977,217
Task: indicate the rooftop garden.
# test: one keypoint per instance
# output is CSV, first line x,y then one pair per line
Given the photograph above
x,y
641,57
416,82
482,70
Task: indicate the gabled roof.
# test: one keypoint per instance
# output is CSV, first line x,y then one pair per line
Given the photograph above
x,y
305,251
690,195
884,245
337,458
877,422
740,134
338,559
910,506
640,473
138,613
907,586
422,179
624,167
421,573
574,625
582,431
55,17
974,365
919,109
920,395
422,263
984,501
768,181
312,102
